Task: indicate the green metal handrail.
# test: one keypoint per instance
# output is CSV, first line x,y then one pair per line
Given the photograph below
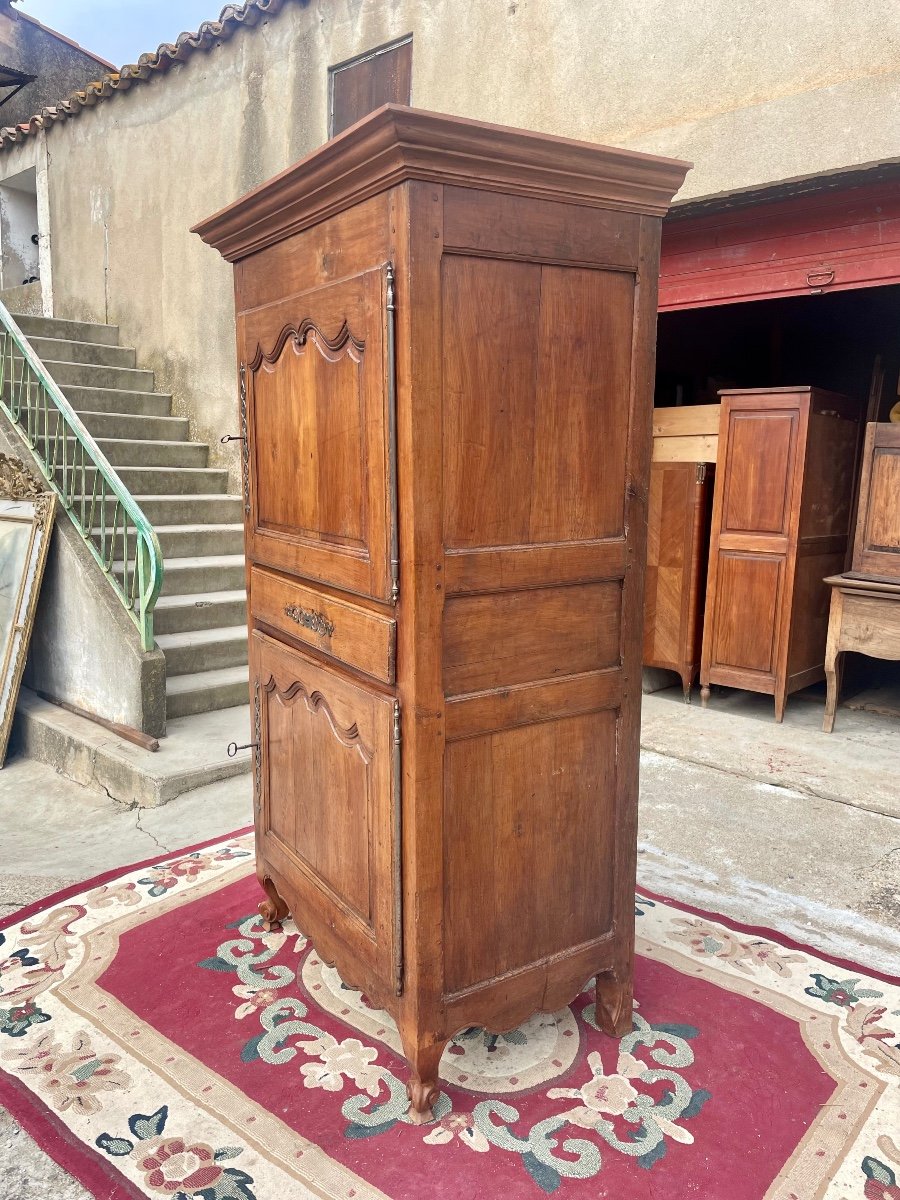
x,y
102,509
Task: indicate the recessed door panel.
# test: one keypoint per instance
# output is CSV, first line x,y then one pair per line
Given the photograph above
x,y
318,429
535,809
759,468
748,593
327,803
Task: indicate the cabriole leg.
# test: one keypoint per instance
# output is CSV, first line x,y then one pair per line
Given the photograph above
x,y
422,1088
273,909
615,1005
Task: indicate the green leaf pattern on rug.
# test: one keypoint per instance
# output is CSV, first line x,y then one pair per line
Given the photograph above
x,y
382,1102
178,1166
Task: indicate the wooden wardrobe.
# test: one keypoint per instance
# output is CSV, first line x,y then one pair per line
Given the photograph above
x,y
780,525
678,515
446,344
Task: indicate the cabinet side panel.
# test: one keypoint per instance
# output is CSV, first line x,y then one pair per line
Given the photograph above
x,y
670,516
536,362
534,809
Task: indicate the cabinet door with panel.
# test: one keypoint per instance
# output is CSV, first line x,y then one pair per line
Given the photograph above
x,y
318,430
328,816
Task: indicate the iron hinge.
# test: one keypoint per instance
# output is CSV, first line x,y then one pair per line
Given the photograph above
x,y
390,304
701,472
244,440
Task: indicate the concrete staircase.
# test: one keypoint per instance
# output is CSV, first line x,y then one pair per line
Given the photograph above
x,y
200,622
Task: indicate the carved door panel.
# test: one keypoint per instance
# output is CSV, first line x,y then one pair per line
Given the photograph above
x,y
320,429
328,805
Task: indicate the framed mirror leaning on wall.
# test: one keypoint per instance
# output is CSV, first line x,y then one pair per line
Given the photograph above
x,y
26,523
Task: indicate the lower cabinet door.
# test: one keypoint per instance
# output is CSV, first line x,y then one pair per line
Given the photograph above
x,y
327,827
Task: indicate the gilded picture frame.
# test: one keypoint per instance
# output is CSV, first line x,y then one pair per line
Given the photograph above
x,y
26,524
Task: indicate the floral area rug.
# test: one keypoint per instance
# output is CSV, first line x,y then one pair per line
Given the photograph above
x,y
156,1041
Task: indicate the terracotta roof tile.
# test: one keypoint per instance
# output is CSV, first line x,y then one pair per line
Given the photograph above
x,y
232,18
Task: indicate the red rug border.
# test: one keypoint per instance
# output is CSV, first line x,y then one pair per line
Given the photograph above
x,y
101,1177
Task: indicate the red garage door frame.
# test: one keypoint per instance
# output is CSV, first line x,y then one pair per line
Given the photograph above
x,y
805,244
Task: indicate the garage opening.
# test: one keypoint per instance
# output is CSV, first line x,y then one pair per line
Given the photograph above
x,y
846,342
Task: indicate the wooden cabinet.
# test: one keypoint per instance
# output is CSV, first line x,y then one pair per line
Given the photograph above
x,y
678,515
446,336
781,515
876,549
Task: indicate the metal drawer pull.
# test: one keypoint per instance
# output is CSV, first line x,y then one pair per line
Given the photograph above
x,y
315,621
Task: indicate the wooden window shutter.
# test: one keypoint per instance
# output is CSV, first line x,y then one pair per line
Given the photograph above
x,y
362,84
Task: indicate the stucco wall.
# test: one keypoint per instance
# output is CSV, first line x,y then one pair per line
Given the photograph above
x,y
59,65
752,93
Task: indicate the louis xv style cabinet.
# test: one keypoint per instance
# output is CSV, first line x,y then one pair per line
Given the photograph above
x,y
446,343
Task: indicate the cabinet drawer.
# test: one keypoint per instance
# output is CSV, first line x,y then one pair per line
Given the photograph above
x,y
343,630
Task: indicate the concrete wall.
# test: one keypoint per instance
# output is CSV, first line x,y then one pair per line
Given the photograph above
x,y
18,226
85,649
60,66
753,93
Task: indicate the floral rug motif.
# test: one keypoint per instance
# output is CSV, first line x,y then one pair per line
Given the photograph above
x,y
158,1042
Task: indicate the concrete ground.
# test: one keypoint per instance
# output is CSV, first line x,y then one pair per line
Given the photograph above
x,y
780,826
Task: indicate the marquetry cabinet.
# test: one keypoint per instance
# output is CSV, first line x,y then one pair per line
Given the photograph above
x,y
780,525
678,516
446,341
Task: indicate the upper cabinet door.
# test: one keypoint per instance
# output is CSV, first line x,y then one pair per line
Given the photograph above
x,y
319,430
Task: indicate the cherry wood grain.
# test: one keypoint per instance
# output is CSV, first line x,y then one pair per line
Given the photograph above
x,y
447,794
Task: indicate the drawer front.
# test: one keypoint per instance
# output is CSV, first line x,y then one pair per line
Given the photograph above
x,y
339,628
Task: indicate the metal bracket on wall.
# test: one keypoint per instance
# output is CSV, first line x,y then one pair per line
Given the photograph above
x,y
398,853
390,305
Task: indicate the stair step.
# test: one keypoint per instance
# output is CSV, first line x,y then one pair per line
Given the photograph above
x,y
199,650
204,573
131,452
115,400
95,354
79,331
103,377
169,481
194,509
200,610
194,753
206,691
134,425
191,541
